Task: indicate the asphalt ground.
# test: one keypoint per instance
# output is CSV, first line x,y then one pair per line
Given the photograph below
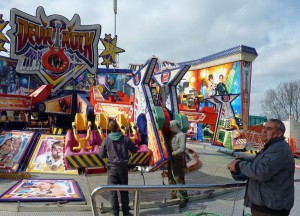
x,y
225,202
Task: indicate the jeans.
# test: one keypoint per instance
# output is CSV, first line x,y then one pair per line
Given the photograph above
x,y
118,175
255,212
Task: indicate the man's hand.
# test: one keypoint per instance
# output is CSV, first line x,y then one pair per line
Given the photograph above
x,y
231,166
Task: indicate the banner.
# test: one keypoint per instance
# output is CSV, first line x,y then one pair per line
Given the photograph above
x,y
52,47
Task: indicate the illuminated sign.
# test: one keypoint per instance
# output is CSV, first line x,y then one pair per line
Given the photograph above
x,y
53,47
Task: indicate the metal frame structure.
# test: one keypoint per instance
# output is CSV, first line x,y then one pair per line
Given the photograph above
x,y
139,188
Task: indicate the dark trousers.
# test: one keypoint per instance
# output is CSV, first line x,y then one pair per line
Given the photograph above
x,y
255,212
118,175
176,175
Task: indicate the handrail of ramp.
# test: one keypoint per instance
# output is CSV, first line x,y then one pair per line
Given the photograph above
x,y
139,188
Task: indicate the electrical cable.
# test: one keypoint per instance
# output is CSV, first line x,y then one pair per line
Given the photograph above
x,y
233,207
142,174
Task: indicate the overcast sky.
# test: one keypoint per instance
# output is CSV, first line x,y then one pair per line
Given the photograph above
x,y
183,30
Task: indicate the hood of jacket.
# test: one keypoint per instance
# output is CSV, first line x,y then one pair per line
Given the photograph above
x,y
115,136
175,125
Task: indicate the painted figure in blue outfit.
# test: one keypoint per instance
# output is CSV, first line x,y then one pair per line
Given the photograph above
x,y
221,87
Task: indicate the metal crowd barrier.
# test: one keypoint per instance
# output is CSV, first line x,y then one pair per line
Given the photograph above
x,y
139,188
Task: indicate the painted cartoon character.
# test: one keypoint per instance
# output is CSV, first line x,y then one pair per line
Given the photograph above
x,y
54,160
211,86
6,151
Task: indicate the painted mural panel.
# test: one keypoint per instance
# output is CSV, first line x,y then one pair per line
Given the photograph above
x,y
13,146
57,55
28,190
48,155
215,80
111,83
10,82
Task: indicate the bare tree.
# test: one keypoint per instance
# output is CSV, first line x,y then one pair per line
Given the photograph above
x,y
282,101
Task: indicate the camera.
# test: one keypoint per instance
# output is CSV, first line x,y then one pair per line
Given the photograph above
x,y
238,176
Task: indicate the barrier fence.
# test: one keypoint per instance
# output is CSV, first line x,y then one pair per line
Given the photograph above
x,y
138,189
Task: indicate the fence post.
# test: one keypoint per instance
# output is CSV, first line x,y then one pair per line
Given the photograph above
x,y
137,203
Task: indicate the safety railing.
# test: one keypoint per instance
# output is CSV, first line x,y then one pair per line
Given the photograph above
x,y
139,188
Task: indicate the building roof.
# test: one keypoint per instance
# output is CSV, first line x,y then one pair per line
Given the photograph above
x,y
222,54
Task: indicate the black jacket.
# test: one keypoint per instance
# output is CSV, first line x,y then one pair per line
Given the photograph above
x,y
117,151
271,177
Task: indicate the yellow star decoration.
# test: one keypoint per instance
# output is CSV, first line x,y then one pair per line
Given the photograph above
x,y
2,47
3,39
110,51
106,61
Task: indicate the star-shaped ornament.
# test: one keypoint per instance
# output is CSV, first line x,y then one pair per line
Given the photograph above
x,y
2,48
110,51
106,62
3,39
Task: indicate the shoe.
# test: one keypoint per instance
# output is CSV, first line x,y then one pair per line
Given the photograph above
x,y
127,214
183,203
173,197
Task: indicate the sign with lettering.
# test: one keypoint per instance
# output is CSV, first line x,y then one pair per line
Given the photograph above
x,y
52,47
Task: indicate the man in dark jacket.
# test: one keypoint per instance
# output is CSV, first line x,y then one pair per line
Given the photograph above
x,y
270,188
115,147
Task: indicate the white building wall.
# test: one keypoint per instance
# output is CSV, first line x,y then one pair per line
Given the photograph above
x,y
296,129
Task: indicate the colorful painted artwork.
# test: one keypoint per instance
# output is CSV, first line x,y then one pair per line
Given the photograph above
x,y
13,147
29,190
215,80
56,56
14,83
48,156
10,81
62,105
81,83
111,83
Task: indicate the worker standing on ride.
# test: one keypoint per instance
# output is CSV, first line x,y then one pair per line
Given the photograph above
x,y
177,164
115,147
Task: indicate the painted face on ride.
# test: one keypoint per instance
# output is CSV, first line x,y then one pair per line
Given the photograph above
x,y
43,185
270,132
57,151
221,78
17,142
6,146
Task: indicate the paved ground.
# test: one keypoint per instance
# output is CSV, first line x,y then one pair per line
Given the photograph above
x,y
212,171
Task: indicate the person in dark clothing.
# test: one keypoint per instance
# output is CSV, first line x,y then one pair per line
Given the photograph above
x,y
221,87
115,147
176,166
270,186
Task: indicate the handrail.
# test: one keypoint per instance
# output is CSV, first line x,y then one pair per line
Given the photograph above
x,y
139,188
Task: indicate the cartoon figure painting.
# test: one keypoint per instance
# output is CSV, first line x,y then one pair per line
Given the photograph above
x,y
42,190
13,145
6,151
54,157
221,87
48,155
211,86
